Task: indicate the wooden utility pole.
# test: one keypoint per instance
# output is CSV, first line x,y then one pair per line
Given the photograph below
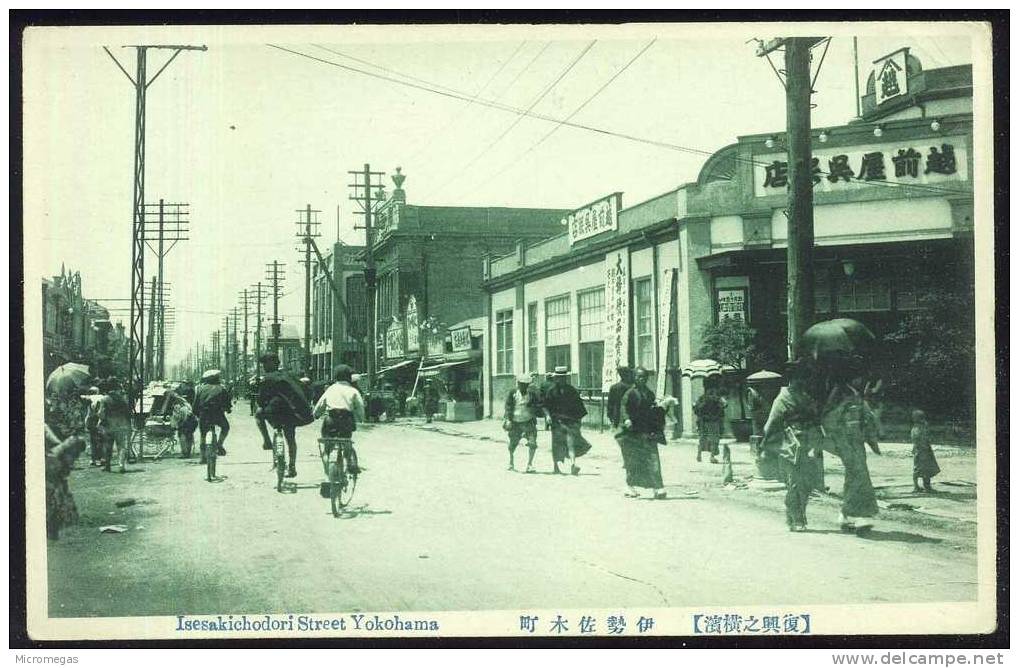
x,y
244,341
363,184
307,230
800,262
800,204
258,297
275,276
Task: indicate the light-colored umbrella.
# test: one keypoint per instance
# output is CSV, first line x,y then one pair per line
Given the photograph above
x,y
763,376
70,378
704,368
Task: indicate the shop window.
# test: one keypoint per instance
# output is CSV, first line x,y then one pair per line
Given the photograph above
x,y
864,294
592,356
557,321
645,323
557,356
591,310
910,293
504,342
532,337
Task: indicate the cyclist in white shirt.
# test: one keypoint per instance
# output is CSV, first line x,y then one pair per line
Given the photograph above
x,y
343,408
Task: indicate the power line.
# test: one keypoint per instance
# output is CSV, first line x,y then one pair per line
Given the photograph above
x,y
538,98
583,126
463,110
574,112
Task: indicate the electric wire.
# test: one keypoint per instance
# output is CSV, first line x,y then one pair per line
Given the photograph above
x,y
597,130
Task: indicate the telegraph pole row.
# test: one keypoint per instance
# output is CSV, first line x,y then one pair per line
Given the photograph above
x,y
257,294
169,227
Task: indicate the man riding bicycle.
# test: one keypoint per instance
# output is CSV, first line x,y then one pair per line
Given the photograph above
x,y
283,404
343,408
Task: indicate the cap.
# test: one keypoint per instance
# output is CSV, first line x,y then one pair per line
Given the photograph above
x,y
561,371
211,373
524,378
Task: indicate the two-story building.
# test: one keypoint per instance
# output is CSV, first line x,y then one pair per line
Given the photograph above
x,y
893,221
338,320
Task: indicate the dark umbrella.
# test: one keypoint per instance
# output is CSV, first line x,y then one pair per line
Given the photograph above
x,y
67,379
837,341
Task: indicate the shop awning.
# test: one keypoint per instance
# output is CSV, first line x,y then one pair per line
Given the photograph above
x,y
395,366
438,367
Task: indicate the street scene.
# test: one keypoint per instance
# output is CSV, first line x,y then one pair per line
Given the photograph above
x,y
627,319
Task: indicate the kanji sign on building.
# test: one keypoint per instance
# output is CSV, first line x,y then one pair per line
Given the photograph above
x,y
890,80
460,338
937,160
395,340
413,329
617,315
731,304
595,218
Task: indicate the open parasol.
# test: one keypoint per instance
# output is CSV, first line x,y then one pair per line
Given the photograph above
x,y
704,368
763,376
836,340
70,378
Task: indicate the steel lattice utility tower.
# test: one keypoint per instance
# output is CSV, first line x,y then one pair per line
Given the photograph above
x,y
307,230
364,181
274,274
141,82
170,226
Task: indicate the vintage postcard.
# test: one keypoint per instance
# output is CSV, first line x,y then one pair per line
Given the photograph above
x,y
518,331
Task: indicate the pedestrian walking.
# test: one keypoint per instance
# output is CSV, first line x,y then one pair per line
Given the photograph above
x,y
925,465
710,411
95,437
520,420
849,426
115,423
184,421
640,424
429,400
796,415
212,403
613,403
564,410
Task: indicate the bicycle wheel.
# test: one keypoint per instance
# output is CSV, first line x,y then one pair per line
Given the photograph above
x,y
346,492
277,449
336,483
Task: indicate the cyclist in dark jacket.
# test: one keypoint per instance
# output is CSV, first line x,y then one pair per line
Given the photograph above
x,y
212,403
282,403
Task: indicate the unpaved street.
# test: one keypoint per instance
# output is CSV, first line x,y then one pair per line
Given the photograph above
x,y
438,523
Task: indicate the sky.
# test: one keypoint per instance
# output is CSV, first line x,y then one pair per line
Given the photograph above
x,y
248,133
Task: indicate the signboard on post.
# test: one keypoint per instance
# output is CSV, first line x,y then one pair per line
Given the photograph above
x,y
664,322
595,218
413,331
395,340
460,338
731,304
617,315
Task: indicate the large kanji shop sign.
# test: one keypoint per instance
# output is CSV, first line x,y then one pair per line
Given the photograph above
x,y
890,80
919,162
595,218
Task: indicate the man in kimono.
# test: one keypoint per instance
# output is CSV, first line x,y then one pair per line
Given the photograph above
x,y
640,418
565,409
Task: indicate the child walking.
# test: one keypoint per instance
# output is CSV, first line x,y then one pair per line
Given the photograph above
x,y
925,466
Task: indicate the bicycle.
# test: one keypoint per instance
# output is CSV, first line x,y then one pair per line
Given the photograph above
x,y
278,457
339,461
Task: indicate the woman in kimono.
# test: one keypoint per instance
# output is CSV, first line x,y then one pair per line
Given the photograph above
x,y
796,415
710,410
849,424
638,438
